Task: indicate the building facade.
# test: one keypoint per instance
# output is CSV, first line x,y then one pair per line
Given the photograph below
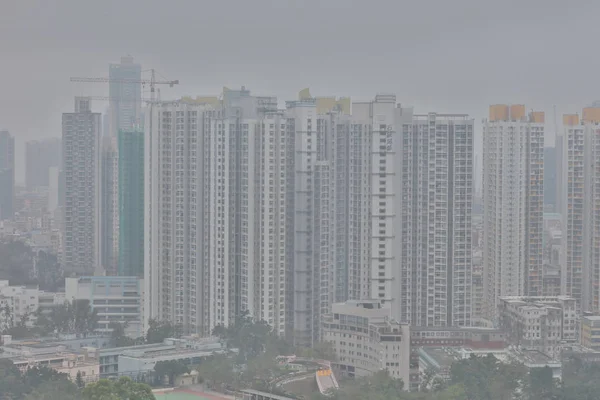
x,y
109,201
216,200
131,203
81,166
366,340
437,194
7,175
539,323
125,93
513,202
117,299
590,332
580,256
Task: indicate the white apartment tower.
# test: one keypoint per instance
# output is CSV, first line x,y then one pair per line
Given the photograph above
x,y
383,121
81,166
216,222
173,215
310,250
437,195
513,193
348,150
580,257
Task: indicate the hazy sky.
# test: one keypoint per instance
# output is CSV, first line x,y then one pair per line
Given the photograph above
x,y
444,55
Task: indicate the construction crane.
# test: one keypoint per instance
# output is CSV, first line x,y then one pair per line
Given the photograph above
x,y
152,82
106,98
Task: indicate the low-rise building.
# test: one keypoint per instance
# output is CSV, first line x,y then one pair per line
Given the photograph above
x,y
115,299
590,332
54,356
142,359
475,338
49,300
22,301
366,340
539,323
440,359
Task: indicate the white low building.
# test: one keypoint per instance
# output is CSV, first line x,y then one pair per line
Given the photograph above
x,y
21,301
366,340
115,298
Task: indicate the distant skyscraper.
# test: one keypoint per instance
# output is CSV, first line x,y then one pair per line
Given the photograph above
x,y
437,193
125,97
513,202
7,175
81,166
53,188
40,156
131,203
580,255
109,204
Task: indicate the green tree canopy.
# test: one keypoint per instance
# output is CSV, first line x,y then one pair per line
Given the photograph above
x,y
158,331
171,369
72,317
122,389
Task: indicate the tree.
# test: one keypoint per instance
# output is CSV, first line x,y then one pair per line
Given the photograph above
x,y
158,331
122,389
50,275
118,336
246,335
217,371
53,390
16,262
71,317
172,369
11,384
79,380
541,384
487,378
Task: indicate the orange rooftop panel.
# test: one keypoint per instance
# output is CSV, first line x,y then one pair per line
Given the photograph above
x,y
591,114
498,112
537,116
570,119
517,112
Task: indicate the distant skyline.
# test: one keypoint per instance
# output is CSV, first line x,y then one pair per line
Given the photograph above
x,y
458,56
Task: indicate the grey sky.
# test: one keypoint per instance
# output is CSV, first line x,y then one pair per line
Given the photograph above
x,y
444,55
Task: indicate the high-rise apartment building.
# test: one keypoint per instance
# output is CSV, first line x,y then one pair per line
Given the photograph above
x,y
40,156
125,92
81,166
551,169
7,175
109,204
580,255
215,215
131,203
437,197
513,202
311,222
383,121
559,146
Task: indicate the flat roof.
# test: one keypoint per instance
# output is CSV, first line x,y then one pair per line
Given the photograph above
x,y
265,394
441,356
